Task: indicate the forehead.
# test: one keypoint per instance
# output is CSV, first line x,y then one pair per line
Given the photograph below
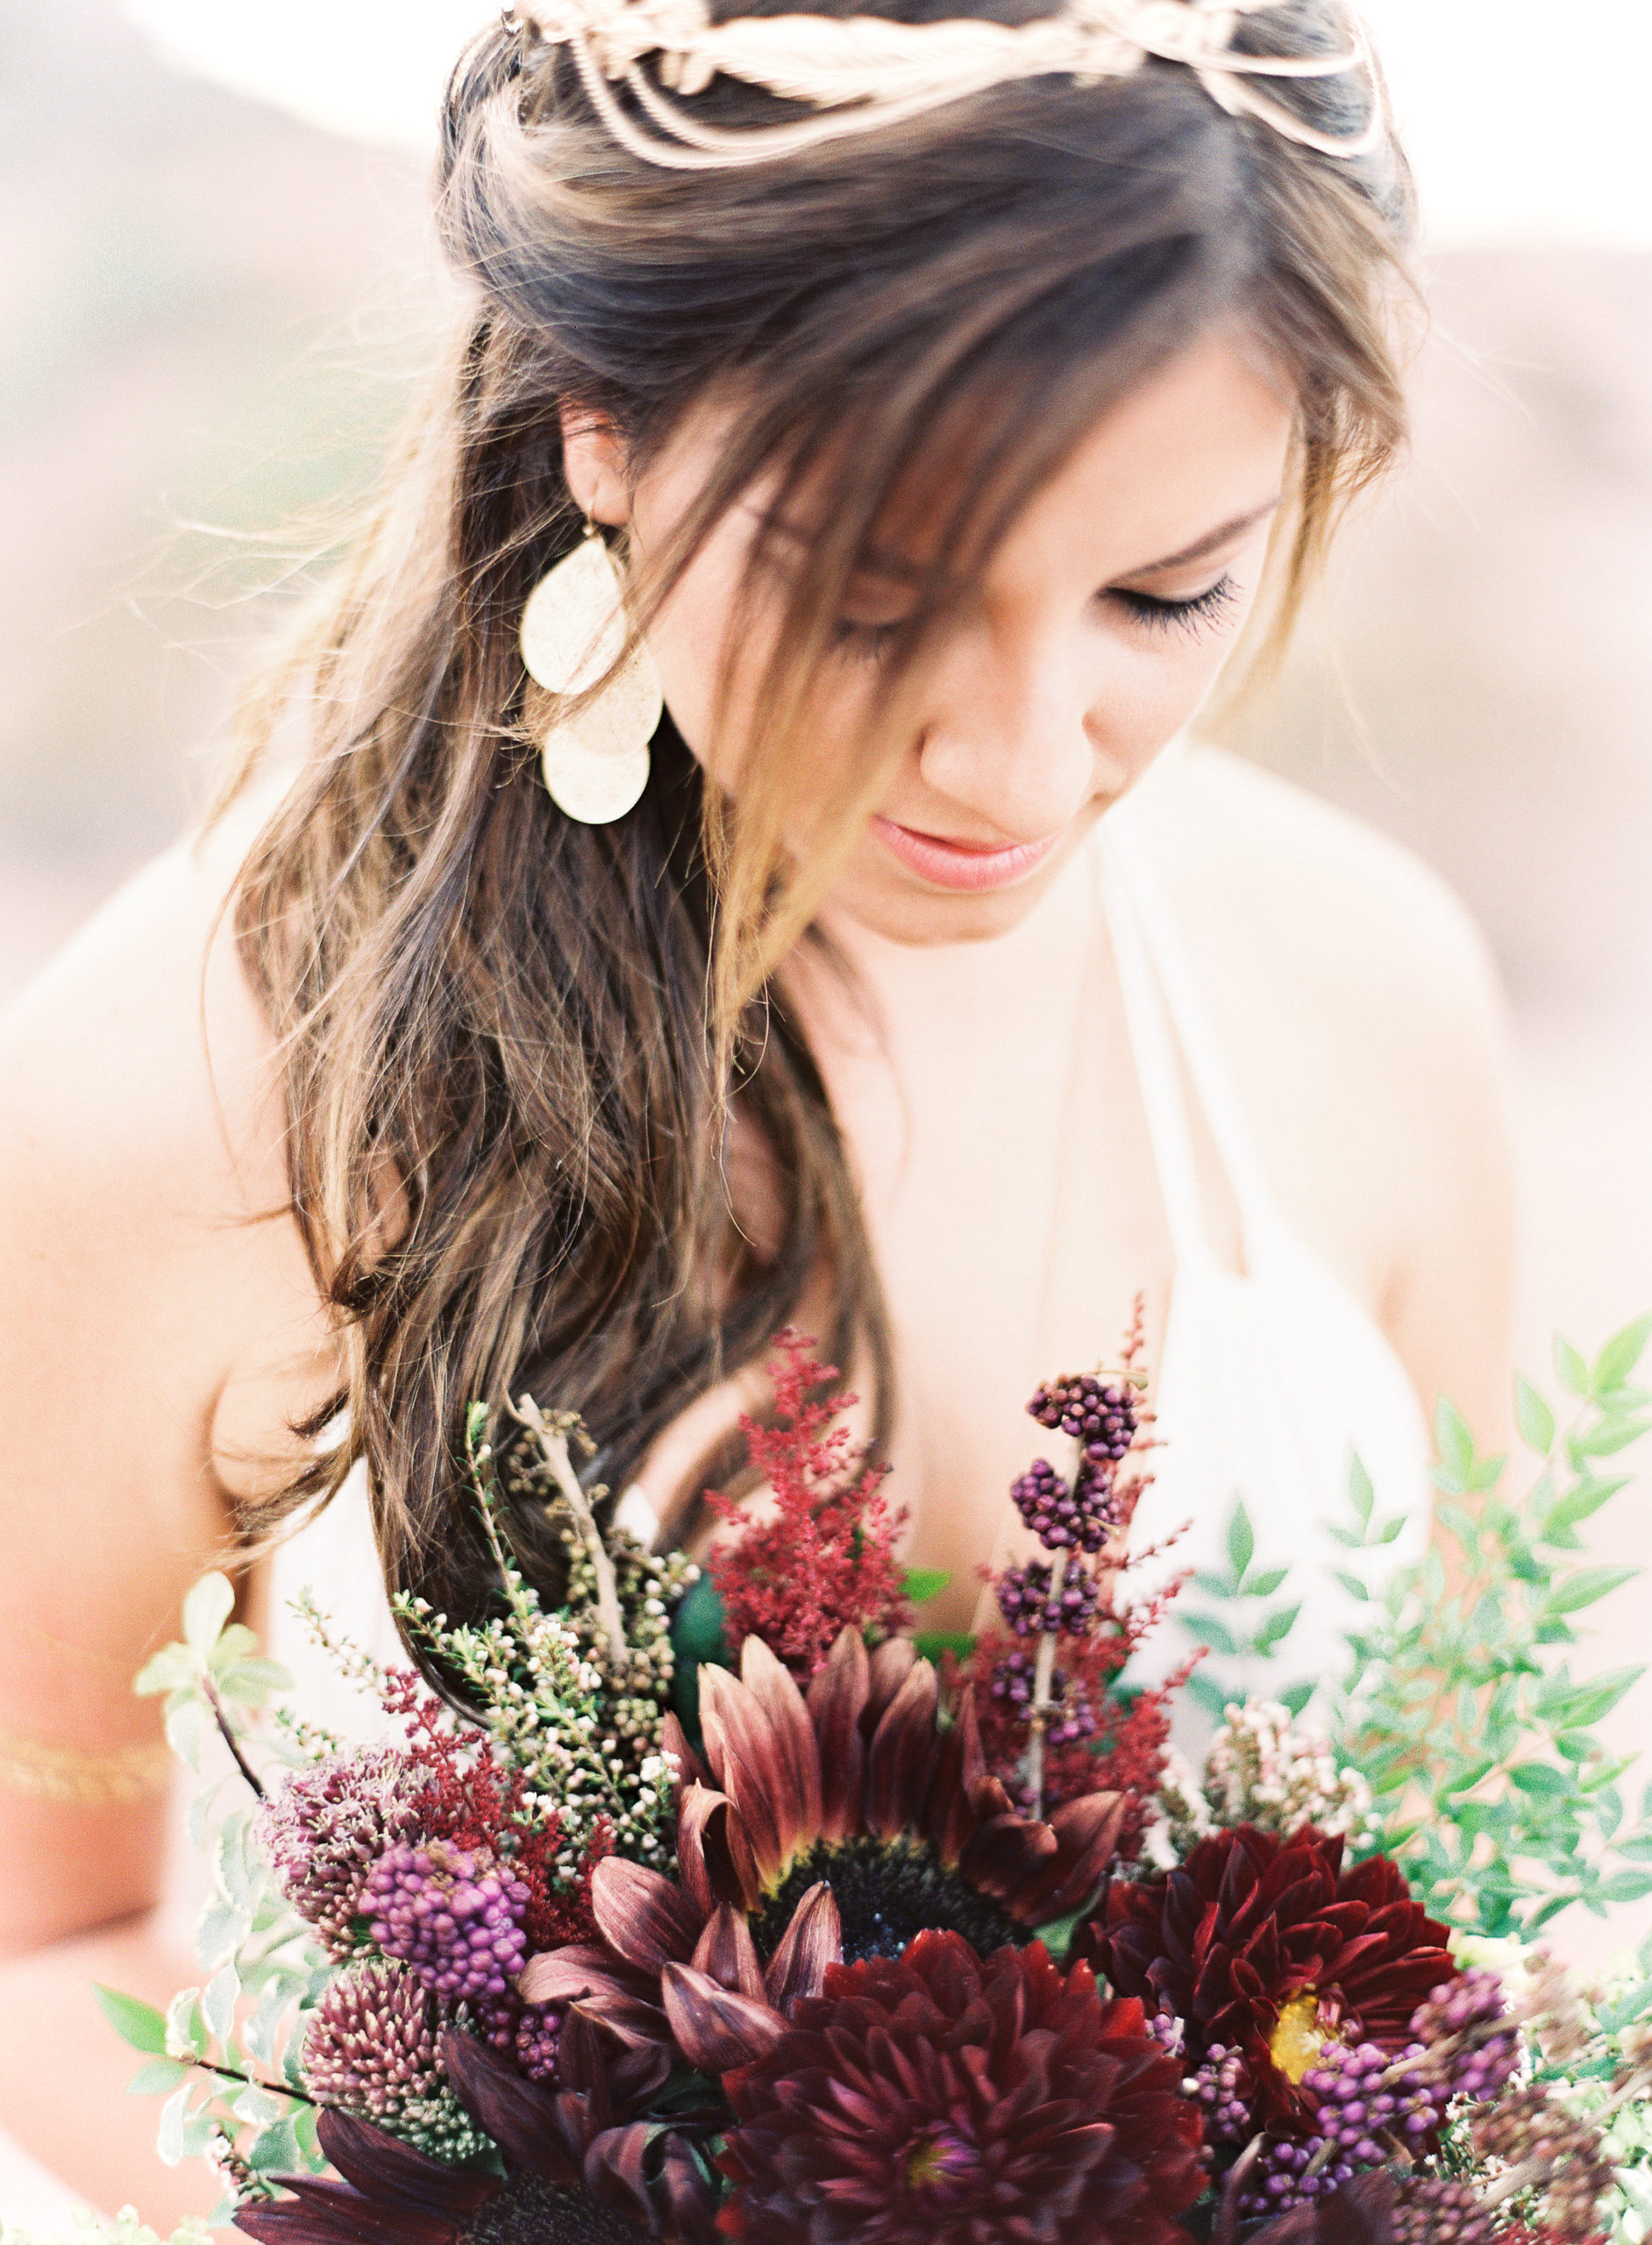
x,y
1198,442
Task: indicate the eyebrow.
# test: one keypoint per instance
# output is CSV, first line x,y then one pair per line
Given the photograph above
x,y
1207,545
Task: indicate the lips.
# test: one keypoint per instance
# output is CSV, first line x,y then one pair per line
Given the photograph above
x,y
961,866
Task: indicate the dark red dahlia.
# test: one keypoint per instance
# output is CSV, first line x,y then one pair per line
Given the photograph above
x,y
1269,1947
937,2099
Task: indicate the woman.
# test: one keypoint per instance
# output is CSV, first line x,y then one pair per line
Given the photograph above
x,y
933,993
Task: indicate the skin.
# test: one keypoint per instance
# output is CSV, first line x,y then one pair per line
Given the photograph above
x,y
1352,997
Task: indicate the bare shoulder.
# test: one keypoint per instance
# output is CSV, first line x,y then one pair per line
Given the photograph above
x,y
1381,925
142,1161
1367,1029
137,1059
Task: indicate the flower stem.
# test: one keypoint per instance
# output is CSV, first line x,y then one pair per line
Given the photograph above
x,y
1044,1668
554,1446
252,2081
221,1718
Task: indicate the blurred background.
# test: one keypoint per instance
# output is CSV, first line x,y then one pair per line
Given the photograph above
x,y
214,290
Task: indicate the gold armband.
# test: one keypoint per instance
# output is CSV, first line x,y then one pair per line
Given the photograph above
x,y
70,1776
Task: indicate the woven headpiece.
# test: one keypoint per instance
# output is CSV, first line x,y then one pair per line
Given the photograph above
x,y
859,72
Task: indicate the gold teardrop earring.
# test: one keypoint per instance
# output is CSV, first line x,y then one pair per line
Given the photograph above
x,y
574,631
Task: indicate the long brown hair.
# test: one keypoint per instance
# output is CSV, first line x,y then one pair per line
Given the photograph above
x,y
512,1042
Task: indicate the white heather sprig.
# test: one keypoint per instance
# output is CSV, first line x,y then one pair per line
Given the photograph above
x,y
1263,1770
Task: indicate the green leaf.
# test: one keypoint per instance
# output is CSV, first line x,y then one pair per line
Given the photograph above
x,y
1452,1439
1583,1501
1533,1416
1620,1357
1296,1697
170,1669
1593,1702
158,2078
1607,1440
169,2138
1570,1368
1210,1695
1540,1781
186,2028
188,1726
140,2024
206,1609
1265,1584
218,2000
1587,1587
1276,1628
919,1585
1242,1541
1207,1630
932,1644
219,1931
698,1633
274,2150
1362,1494
1353,1586
1625,1886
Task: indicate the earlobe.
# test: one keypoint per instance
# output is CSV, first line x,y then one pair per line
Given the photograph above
x,y
593,461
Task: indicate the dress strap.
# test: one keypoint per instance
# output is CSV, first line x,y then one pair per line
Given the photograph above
x,y
1157,1069
1195,1032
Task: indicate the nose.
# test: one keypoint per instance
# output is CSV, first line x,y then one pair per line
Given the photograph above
x,y
1008,741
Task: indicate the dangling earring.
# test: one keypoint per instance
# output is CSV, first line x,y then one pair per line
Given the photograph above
x,y
573,631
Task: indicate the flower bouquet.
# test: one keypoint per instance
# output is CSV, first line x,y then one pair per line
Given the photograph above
x,y
730,1903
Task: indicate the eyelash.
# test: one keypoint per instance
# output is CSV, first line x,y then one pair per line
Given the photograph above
x,y
1185,615
866,643
870,643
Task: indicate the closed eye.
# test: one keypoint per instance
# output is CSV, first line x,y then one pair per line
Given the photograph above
x,y
1192,615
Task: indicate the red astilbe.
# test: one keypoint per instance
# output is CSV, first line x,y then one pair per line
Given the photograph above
x,y
824,1557
470,1800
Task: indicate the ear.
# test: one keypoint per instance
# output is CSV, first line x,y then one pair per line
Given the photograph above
x,y
593,460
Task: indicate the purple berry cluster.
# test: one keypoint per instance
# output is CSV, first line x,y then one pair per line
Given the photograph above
x,y
1028,1604
1014,1680
455,1917
1467,2022
1102,1417
1359,2107
1429,2210
1226,2095
1280,2179
1084,1517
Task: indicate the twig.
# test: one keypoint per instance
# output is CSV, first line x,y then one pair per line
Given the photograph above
x,y
229,1737
253,2081
553,1443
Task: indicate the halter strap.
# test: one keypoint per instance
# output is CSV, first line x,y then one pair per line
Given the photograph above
x,y
1164,1008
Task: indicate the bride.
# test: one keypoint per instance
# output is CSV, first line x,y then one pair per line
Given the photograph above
x,y
850,930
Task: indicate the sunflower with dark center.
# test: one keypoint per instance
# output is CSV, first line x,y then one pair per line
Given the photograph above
x,y
576,2169
938,2099
1269,1947
818,1830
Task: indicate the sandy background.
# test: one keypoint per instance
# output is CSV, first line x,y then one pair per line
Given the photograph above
x,y
209,312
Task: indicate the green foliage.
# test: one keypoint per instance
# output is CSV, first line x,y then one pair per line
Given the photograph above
x,y
225,2055
1461,1708
698,1633
85,2227
1248,1628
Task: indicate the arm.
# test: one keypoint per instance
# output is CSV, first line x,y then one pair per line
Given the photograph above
x,y
138,1302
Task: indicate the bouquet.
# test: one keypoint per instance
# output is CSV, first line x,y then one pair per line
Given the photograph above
x,y
728,1903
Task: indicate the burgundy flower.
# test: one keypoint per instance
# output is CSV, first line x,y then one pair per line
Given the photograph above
x,y
1268,1947
939,2099
838,1826
577,2171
